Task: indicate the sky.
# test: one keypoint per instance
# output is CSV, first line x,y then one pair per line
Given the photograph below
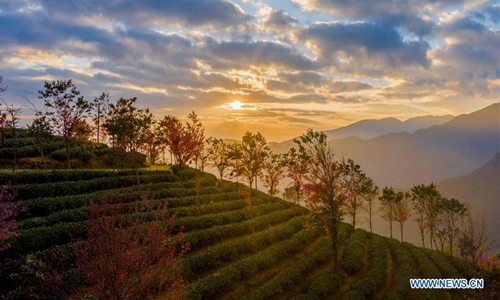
x,y
277,66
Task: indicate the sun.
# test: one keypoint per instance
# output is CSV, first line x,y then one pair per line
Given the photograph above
x,y
236,105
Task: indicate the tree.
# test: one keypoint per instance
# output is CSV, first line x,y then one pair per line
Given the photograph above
x,y
296,170
355,179
473,236
425,201
369,192
235,160
451,213
39,130
120,260
3,117
127,124
388,205
196,133
217,154
251,154
67,109
185,142
11,120
274,171
8,211
402,210
101,106
324,183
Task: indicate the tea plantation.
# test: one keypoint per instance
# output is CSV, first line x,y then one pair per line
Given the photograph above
x,y
235,252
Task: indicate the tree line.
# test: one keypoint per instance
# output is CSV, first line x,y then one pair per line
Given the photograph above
x,y
330,186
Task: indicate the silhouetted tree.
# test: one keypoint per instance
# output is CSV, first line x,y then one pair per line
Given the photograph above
x,y
473,236
251,154
66,109
296,170
274,171
325,184
354,181
11,119
402,210
369,192
451,211
425,202
217,154
388,201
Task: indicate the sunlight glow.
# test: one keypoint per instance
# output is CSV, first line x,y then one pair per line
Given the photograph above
x,y
236,105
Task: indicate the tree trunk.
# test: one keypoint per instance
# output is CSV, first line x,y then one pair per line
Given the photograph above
x,y
401,232
370,217
390,227
354,218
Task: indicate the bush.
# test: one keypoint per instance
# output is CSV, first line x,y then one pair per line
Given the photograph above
x,y
352,261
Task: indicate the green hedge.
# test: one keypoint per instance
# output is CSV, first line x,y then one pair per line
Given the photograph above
x,y
326,284
352,262
41,238
229,251
64,188
207,221
404,270
232,274
290,276
376,275
213,235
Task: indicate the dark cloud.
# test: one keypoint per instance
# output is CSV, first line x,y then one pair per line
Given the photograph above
x,y
363,43
405,13
280,19
234,55
155,12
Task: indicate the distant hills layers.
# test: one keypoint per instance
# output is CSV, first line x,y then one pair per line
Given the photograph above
x,y
460,154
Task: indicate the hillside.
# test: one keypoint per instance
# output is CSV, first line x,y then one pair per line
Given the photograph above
x,y
367,129
232,256
481,188
428,155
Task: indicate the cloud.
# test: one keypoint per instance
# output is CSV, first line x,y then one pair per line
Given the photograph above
x,y
238,55
364,44
189,13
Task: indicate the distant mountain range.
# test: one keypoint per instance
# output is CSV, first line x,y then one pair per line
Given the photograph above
x,y
480,188
367,129
403,159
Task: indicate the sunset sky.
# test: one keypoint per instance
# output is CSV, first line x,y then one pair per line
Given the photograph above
x,y
276,66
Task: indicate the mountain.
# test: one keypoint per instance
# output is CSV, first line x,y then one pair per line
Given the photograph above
x,y
367,129
427,155
480,188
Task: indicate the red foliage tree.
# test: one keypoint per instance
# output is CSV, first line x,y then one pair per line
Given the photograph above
x,y
129,260
8,211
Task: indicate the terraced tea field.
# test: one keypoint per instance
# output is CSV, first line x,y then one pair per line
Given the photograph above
x,y
236,252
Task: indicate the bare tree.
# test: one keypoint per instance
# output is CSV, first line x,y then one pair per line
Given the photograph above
x,y
473,236
11,119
